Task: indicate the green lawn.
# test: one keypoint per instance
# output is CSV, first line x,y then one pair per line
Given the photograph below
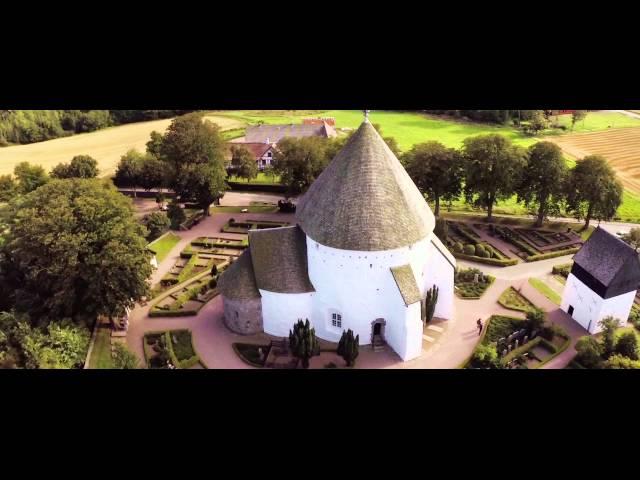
x,y
545,290
514,300
261,179
101,353
163,245
598,121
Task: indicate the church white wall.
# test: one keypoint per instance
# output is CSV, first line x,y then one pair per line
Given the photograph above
x,y
360,286
618,307
440,272
589,308
280,311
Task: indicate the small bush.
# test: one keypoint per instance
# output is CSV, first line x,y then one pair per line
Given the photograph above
x,y
485,254
589,352
627,345
469,250
480,250
458,247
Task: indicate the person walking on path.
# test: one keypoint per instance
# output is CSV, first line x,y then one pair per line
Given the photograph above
x,y
479,322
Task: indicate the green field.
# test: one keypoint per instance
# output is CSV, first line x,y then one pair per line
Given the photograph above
x,y
598,121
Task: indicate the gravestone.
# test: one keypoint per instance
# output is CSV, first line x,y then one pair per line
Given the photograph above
x,y
509,347
526,339
516,343
475,278
534,334
504,352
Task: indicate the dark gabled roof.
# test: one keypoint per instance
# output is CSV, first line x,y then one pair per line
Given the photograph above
x,y
279,258
238,281
406,282
275,133
607,265
365,200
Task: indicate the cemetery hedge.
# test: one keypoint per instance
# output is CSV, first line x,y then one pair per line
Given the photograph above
x,y
559,253
488,261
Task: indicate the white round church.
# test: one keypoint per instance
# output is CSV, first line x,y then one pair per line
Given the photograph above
x,y
361,257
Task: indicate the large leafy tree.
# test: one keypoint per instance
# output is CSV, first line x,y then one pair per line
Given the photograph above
x,y
154,145
243,162
493,168
436,170
593,190
152,173
542,185
81,166
74,248
129,170
299,161
30,177
194,149
577,116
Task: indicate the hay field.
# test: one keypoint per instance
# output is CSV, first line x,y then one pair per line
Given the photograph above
x,y
620,146
106,146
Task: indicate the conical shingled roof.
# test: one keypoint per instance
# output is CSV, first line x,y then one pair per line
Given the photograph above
x,y
365,200
238,281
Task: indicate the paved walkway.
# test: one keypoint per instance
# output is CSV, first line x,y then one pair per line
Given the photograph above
x,y
213,340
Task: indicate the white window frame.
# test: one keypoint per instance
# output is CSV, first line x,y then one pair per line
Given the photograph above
x,y
335,320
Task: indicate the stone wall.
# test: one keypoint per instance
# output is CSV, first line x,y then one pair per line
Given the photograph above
x,y
243,316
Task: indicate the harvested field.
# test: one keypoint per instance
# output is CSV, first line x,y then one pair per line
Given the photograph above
x,y
106,145
621,147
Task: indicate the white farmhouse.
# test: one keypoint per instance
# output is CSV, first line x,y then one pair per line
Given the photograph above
x,y
361,257
603,281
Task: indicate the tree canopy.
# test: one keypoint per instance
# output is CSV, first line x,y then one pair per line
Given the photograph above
x,y
299,161
436,170
243,162
543,180
81,166
194,150
75,248
493,167
593,190
29,177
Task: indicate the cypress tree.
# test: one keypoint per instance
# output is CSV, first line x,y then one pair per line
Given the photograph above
x,y
348,347
303,342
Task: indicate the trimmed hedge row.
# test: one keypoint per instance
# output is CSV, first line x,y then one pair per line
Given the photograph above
x,y
562,270
559,253
488,261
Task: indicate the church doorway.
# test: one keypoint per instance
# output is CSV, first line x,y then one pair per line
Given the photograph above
x,y
377,329
377,333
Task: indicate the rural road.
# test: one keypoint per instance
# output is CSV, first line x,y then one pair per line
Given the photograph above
x,y
627,113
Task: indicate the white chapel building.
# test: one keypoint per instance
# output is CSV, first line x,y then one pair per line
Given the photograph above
x,y
603,281
362,257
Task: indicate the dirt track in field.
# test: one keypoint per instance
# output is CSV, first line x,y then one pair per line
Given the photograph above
x,y
106,146
621,147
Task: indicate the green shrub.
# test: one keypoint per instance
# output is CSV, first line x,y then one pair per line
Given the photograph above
x,y
485,356
627,345
563,270
469,249
458,247
485,254
621,362
535,321
480,249
545,256
589,352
